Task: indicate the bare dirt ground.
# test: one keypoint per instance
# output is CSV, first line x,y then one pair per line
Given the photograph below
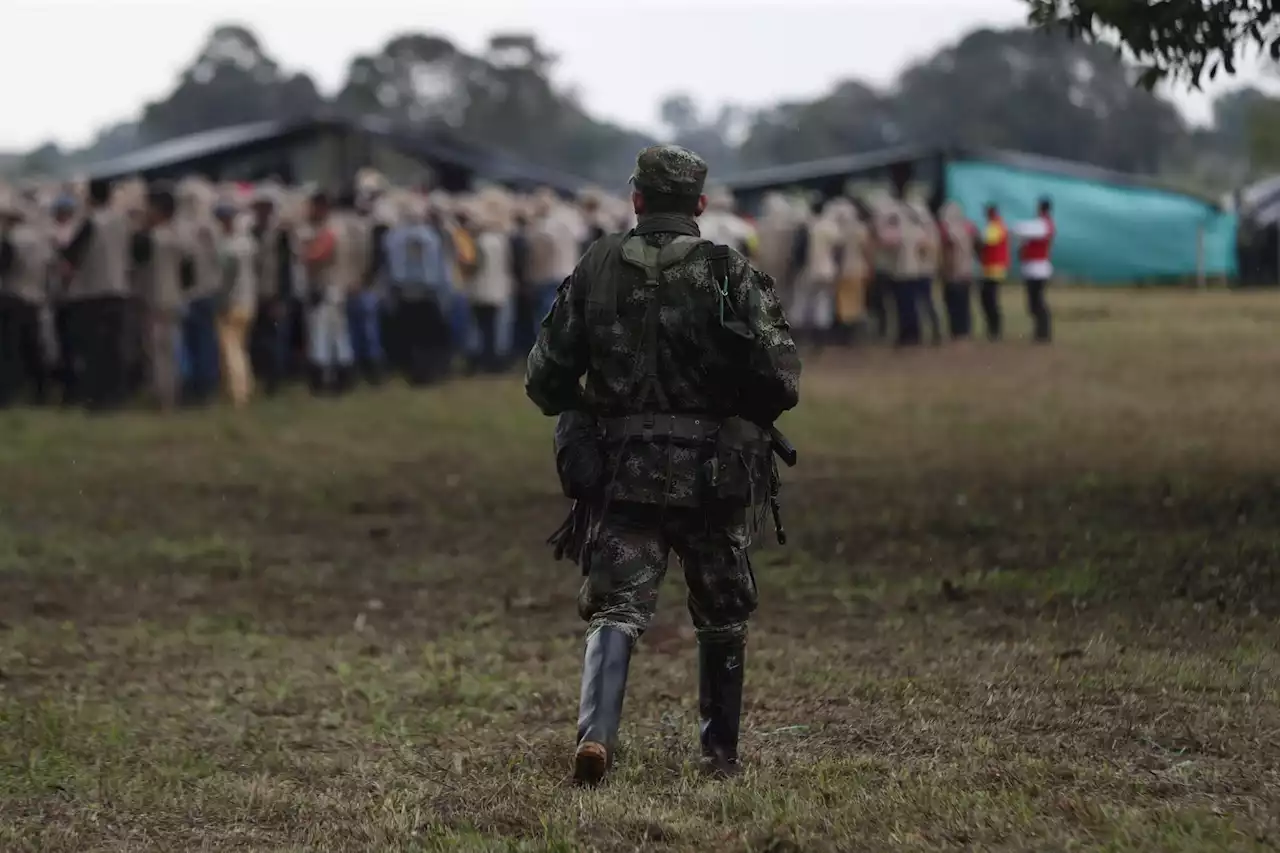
x,y
1031,602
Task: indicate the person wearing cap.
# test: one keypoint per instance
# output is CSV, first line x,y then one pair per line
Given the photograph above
x,y
687,357
25,259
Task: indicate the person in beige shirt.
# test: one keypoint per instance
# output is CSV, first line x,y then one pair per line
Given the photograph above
x,y
959,260
25,259
95,270
165,270
237,302
195,225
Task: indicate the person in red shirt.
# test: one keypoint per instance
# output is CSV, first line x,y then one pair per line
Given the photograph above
x,y
1036,257
993,257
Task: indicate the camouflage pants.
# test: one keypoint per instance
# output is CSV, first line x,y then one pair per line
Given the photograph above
x,y
627,561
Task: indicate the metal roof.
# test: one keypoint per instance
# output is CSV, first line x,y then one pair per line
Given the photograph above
x,y
190,148
434,145
826,168
831,168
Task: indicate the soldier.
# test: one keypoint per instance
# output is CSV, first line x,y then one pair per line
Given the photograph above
x,y
167,272
25,258
687,356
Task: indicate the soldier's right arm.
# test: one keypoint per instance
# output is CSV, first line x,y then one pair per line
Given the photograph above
x,y
771,384
560,356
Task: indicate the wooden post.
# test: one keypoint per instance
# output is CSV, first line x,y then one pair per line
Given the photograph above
x,y
1200,272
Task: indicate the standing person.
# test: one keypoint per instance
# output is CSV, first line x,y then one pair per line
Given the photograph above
x,y
273,258
237,303
813,309
25,264
993,257
200,324
328,340
361,267
525,320
491,288
1036,256
687,356
95,263
419,273
854,271
928,260
958,236
166,272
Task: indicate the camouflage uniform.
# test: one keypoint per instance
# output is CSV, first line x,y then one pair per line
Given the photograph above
x,y
662,385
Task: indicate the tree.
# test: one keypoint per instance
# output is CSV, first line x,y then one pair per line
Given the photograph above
x,y
1037,92
852,118
232,80
503,98
716,138
1182,39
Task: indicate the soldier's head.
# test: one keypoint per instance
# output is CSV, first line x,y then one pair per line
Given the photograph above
x,y
1045,207
669,179
992,210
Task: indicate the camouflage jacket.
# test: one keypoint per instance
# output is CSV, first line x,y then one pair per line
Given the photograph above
x,y
701,367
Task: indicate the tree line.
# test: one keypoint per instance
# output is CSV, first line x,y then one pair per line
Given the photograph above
x,y
1044,91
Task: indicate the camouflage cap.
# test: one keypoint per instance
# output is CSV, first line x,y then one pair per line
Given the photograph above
x,y
669,169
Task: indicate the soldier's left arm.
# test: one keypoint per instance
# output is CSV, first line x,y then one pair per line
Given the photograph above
x,y
772,382
560,356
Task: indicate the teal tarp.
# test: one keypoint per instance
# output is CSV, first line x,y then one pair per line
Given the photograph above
x,y
1106,232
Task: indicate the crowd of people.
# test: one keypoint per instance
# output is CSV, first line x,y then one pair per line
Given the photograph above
x,y
180,290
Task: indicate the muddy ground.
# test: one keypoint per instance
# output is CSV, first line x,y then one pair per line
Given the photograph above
x,y
1031,601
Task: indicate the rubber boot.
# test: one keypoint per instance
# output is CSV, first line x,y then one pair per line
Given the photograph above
x,y
721,665
604,684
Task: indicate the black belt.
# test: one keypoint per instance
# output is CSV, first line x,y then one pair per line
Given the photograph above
x,y
693,429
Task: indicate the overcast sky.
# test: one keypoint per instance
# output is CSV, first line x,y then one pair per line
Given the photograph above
x,y
67,67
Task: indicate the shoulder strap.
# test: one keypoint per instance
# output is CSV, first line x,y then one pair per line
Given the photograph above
x,y
652,260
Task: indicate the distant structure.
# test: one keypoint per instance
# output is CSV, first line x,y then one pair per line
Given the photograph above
x,y
1112,227
327,151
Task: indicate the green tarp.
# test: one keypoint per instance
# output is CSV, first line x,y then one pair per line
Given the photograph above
x,y
1107,233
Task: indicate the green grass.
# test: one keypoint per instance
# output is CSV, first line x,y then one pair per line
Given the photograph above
x,y
1031,602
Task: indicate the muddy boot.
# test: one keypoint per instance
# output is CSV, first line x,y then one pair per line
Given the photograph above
x,y
604,684
720,671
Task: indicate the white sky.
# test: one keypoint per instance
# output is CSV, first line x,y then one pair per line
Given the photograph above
x,y
67,67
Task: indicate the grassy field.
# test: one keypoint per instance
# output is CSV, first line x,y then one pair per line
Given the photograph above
x,y
1030,602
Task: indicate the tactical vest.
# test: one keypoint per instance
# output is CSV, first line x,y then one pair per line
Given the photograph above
x,y
680,460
